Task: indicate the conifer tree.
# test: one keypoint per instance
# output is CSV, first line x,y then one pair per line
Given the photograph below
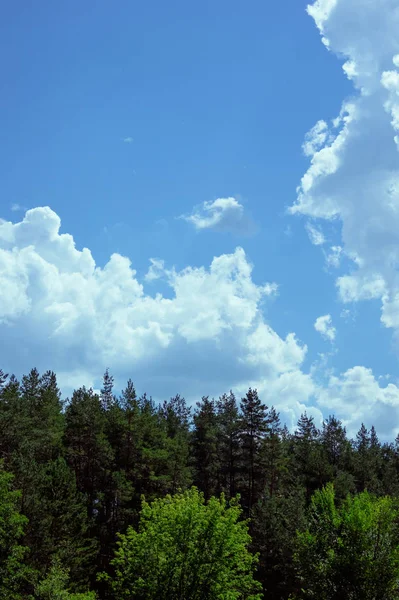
x,y
205,454
254,425
175,415
229,424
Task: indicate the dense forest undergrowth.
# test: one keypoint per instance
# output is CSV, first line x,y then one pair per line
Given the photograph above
x,y
236,506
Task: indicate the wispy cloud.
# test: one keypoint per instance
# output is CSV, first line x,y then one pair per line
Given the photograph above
x,y
315,234
15,207
128,140
223,214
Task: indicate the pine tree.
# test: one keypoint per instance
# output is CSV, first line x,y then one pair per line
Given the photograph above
x,y
309,464
107,398
254,425
273,459
3,379
275,520
228,419
205,447
130,436
175,415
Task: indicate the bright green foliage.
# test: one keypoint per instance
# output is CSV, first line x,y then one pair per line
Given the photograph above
x,y
352,551
186,549
55,586
13,572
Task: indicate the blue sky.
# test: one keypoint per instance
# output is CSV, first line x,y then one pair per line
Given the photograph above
x,y
175,132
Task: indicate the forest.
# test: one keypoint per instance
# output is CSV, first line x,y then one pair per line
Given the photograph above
x,y
114,496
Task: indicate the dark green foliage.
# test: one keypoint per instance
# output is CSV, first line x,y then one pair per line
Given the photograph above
x,y
254,424
229,448
176,419
276,519
82,465
205,447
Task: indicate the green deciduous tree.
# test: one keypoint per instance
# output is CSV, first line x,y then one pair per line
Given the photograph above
x,y
351,551
55,586
186,549
13,572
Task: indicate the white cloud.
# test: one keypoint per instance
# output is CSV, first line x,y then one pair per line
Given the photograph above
x,y
316,236
128,140
315,138
156,270
333,259
354,164
325,327
358,397
223,214
76,317
59,310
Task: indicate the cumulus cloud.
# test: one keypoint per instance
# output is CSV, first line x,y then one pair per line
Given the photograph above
x,y
357,397
223,214
59,310
324,326
353,175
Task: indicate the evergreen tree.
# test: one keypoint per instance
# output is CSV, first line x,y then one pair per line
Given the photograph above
x,y
107,398
205,454
308,461
176,418
273,458
254,425
275,520
367,460
338,455
229,427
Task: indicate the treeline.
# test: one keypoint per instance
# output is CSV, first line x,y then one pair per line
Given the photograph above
x,y
82,466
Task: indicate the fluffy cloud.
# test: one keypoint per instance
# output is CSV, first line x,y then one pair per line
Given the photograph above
x,y
324,326
59,310
354,170
223,214
358,397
